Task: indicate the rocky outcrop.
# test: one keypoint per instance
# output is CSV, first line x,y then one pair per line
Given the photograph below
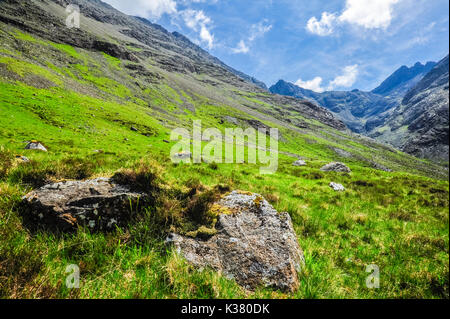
x,y
336,167
99,204
254,244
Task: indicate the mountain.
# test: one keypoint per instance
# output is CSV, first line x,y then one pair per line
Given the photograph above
x,y
420,125
411,97
403,79
357,109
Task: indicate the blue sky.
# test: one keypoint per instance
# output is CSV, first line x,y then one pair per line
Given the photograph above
x,y
320,45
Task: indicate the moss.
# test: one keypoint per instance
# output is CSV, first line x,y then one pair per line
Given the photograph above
x,y
202,232
258,201
217,210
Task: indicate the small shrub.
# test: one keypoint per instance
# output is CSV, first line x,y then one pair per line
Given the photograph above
x,y
145,177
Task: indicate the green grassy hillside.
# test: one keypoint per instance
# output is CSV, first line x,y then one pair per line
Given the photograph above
x,y
82,104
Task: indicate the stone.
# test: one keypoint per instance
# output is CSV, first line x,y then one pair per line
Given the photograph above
x,y
34,145
22,159
182,156
299,163
100,204
337,187
336,167
254,244
134,129
342,153
380,167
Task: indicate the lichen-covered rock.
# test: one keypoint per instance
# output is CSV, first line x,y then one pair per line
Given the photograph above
x,y
336,167
99,204
254,244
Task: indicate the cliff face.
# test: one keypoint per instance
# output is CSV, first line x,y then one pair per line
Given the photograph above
x,y
408,110
420,125
357,109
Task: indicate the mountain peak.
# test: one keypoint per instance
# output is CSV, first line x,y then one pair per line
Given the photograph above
x,y
404,78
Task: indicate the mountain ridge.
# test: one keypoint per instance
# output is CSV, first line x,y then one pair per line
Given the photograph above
x,y
370,112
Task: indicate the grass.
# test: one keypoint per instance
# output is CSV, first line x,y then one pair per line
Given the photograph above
x,y
396,220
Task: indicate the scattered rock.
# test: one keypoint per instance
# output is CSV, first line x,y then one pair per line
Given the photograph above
x,y
380,167
23,159
336,167
34,145
182,156
254,244
337,187
99,204
299,163
341,152
232,120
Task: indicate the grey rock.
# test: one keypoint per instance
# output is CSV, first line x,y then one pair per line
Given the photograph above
x,y
134,129
336,167
380,167
182,156
35,146
299,163
342,153
232,120
255,245
337,187
23,159
99,204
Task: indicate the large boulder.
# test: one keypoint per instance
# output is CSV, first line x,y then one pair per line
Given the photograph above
x,y
254,244
336,167
99,204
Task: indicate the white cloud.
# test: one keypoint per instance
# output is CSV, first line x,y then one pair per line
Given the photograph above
x,y
369,14
154,9
256,31
314,84
241,48
323,27
198,21
145,8
347,79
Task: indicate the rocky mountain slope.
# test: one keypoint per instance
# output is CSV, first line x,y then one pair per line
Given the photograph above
x,y
362,111
420,124
370,113
357,109
402,80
